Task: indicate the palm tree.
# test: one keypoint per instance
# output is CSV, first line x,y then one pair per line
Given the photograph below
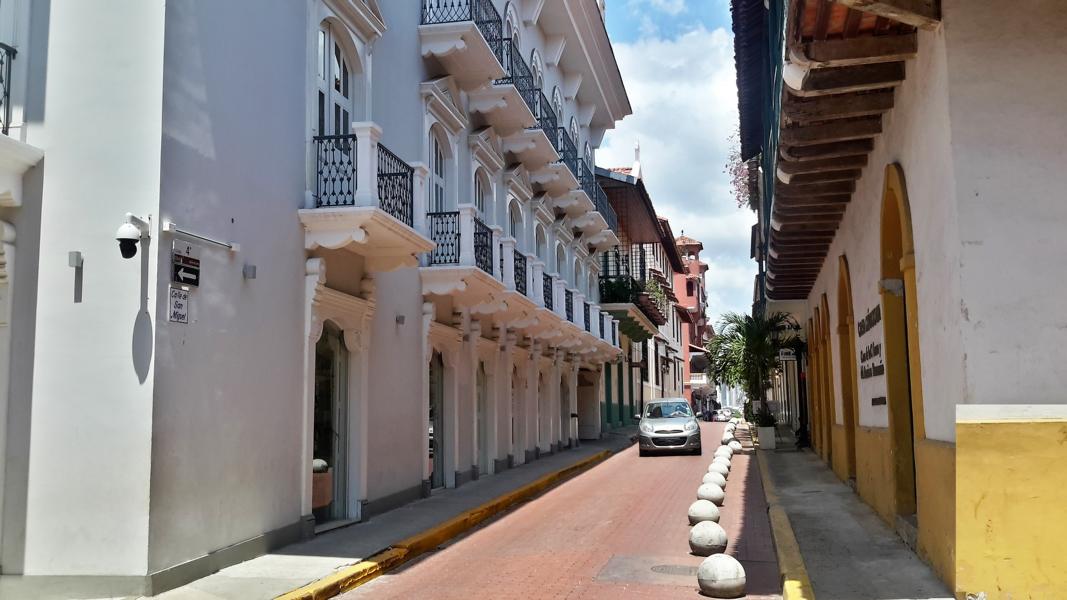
x,y
745,351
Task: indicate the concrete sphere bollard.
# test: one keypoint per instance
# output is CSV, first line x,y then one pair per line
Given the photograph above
x,y
707,538
721,576
724,451
722,461
712,493
703,510
715,478
735,446
719,468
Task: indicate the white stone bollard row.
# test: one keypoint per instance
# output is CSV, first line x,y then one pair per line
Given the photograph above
x,y
721,576
715,478
722,461
724,451
703,510
707,538
735,446
712,493
719,468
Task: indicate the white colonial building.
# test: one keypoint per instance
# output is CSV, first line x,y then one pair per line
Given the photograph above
x,y
366,267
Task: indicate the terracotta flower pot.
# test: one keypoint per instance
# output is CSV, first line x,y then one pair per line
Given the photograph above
x,y
322,489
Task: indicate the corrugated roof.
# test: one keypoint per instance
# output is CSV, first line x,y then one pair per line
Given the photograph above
x,y
750,60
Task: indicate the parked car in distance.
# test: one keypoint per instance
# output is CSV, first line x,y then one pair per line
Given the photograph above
x,y
668,425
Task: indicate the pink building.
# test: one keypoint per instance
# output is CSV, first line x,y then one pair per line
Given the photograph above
x,y
692,303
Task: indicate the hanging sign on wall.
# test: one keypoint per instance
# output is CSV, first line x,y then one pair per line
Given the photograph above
x,y
872,362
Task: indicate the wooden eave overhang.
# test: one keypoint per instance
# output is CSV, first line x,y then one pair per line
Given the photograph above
x,y
844,60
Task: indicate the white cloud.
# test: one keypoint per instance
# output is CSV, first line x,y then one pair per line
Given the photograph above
x,y
671,7
684,98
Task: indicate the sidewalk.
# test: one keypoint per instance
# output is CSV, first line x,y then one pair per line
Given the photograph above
x,y
294,566
850,553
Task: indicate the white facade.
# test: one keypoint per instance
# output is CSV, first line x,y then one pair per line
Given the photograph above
x,y
140,452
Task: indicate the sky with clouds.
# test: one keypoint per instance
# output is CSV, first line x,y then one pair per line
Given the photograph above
x,y
677,59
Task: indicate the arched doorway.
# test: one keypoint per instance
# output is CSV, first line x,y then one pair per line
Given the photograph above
x,y
829,403
437,420
900,322
330,433
846,342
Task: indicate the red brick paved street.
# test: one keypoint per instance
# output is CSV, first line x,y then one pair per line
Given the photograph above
x,y
616,531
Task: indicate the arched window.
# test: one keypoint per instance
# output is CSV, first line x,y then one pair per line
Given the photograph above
x,y
514,219
541,243
336,84
482,191
587,152
591,288
561,259
511,25
576,275
538,68
575,131
557,104
439,156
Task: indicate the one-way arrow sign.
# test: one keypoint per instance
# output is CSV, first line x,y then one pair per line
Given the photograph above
x,y
186,270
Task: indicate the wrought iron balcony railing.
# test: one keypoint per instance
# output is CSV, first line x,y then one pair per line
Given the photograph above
x,y
586,180
336,160
482,12
483,246
568,152
520,273
396,185
7,55
546,116
548,290
568,305
444,231
603,206
518,74
335,166
585,315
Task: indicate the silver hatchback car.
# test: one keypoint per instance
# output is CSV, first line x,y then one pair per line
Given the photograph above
x,y
668,425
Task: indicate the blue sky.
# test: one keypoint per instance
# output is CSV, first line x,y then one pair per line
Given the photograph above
x,y
676,58
630,20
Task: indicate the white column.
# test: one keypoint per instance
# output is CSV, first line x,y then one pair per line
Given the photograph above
x,y
367,136
418,207
357,342
315,273
596,324
579,309
424,376
450,408
537,283
466,235
503,383
498,233
508,247
572,402
533,373
474,333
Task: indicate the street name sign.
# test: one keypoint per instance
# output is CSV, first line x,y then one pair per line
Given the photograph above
x,y
186,270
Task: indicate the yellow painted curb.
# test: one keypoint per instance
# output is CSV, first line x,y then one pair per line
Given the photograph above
x,y
356,575
796,585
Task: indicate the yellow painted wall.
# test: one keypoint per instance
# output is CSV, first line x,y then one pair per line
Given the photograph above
x,y
935,481
874,471
839,454
1011,490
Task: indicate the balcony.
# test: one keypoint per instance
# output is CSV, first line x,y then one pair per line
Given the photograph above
x,y
547,290
520,273
534,146
16,157
466,38
629,291
461,263
559,179
363,191
510,102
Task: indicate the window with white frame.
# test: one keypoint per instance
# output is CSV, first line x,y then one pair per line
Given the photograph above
x,y
336,84
574,131
557,104
482,190
561,259
514,219
541,242
438,171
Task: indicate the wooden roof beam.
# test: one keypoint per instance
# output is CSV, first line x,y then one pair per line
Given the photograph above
x,y
833,131
919,13
838,106
852,51
822,151
839,80
857,161
823,177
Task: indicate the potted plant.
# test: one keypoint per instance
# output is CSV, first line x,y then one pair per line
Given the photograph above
x,y
765,422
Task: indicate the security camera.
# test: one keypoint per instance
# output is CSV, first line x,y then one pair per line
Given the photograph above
x,y
129,233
